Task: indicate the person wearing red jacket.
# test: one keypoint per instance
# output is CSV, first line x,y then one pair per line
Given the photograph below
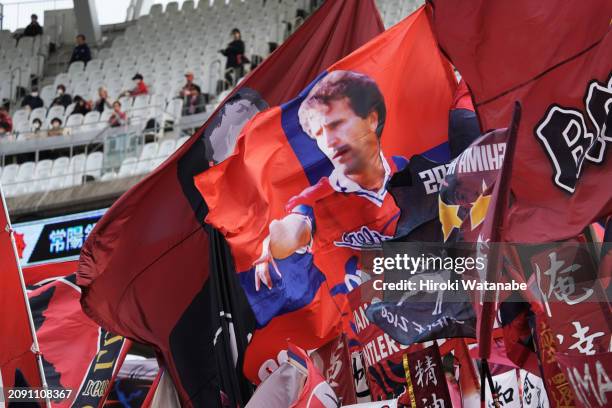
x,y
5,117
140,88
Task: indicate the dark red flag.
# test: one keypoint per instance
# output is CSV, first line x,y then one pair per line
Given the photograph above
x,y
334,362
553,57
17,359
145,267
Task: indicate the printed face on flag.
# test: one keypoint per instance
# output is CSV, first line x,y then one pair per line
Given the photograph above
x,y
344,113
220,136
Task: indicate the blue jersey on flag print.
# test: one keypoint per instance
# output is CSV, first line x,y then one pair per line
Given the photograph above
x,y
301,279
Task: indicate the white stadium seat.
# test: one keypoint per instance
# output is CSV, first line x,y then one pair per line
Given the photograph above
x,y
75,170
61,165
93,166
76,66
128,167
74,120
42,175
166,148
38,113
56,111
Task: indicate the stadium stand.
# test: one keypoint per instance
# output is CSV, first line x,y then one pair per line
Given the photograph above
x,y
162,46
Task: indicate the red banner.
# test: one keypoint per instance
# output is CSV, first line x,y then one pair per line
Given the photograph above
x,y
18,364
589,377
553,57
334,361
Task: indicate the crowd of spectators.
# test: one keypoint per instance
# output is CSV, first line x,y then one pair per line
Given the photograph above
x,y
194,101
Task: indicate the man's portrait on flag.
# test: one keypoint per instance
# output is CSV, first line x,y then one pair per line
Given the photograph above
x,y
344,113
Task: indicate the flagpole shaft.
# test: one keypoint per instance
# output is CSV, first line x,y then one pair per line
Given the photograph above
x,y
36,349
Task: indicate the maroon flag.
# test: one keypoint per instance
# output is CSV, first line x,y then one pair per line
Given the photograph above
x,y
589,376
77,353
145,267
427,379
334,362
553,57
18,362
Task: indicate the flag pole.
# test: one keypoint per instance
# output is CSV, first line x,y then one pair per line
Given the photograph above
x,y
502,188
35,347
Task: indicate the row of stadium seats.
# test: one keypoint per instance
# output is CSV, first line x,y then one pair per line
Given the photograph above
x,y
19,61
144,106
47,175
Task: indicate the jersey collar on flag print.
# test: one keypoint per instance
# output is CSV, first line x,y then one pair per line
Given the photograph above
x,y
343,184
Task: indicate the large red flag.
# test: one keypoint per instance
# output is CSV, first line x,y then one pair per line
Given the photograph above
x,y
145,267
554,58
18,361
305,189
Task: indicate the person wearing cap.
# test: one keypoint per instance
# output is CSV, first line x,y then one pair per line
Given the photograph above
x,y
189,87
33,29
140,88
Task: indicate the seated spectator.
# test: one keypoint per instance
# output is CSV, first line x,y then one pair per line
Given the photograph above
x,y
102,101
189,86
81,52
56,128
36,125
194,103
140,88
5,118
118,118
62,97
33,29
81,106
32,101
5,132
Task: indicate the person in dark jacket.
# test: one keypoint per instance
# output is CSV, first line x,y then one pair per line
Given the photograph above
x,y
62,97
81,52
33,29
235,57
81,106
32,101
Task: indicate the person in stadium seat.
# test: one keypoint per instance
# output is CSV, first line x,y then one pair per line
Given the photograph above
x,y
5,132
235,57
81,106
32,101
189,86
118,118
33,29
35,127
5,118
102,101
56,128
81,51
62,97
140,88
194,103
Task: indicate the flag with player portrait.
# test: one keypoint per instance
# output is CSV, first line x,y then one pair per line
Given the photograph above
x,y
153,272
304,191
